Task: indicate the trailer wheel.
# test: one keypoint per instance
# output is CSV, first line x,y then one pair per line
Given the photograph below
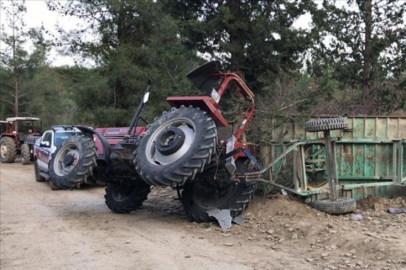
x,y
342,205
124,197
326,124
25,154
8,150
73,162
176,147
199,196
38,176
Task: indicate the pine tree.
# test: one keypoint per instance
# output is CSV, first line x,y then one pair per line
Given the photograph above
x,y
135,41
362,41
17,64
251,37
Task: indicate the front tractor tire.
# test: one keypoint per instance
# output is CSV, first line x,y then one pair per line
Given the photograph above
x,y
8,150
25,154
200,195
125,197
176,147
72,164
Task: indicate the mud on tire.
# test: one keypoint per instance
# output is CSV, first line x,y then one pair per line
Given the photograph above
x,y
73,162
326,124
199,196
8,150
127,196
25,154
176,146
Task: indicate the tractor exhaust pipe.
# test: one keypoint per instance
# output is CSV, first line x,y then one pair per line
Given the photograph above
x,y
144,100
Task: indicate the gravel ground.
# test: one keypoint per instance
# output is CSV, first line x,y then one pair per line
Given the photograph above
x,y
45,229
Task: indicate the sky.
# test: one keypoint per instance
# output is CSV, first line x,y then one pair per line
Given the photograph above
x,y
38,14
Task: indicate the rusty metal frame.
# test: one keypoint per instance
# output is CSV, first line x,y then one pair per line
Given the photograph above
x,y
352,185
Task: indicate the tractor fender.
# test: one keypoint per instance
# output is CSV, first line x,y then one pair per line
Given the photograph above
x,y
99,140
205,103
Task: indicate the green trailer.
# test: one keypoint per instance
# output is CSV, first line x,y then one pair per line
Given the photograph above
x,y
369,157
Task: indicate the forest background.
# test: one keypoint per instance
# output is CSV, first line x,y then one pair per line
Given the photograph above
x,y
350,60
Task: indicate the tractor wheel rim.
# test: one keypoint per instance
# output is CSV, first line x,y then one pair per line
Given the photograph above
x,y
3,151
62,169
188,130
68,160
170,140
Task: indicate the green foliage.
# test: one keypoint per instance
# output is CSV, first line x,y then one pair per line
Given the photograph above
x,y
140,40
250,37
18,66
50,101
137,41
361,46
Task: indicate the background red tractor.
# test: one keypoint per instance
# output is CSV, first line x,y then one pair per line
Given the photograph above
x,y
19,136
3,126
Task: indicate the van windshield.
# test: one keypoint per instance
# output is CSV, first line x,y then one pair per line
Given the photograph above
x,y
61,137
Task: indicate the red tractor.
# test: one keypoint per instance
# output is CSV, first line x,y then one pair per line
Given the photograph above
x,y
180,149
19,137
3,126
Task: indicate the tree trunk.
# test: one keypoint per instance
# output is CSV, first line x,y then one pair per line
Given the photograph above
x,y
14,69
237,45
237,53
16,93
367,52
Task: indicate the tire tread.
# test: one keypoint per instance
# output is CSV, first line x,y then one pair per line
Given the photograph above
x,y
84,168
239,201
25,154
326,124
11,150
188,166
342,205
134,201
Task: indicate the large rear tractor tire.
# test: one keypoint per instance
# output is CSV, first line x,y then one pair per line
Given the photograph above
x,y
73,162
38,176
25,154
176,147
8,150
124,197
199,196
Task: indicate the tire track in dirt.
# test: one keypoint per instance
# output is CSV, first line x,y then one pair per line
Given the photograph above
x,y
45,229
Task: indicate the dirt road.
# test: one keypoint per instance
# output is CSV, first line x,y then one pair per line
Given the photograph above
x,y
45,229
